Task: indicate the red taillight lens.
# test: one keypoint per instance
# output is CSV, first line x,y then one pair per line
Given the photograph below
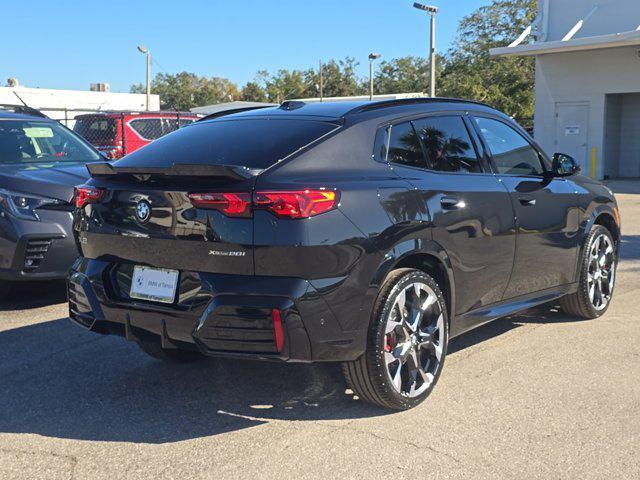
x,y
284,204
86,195
297,204
231,204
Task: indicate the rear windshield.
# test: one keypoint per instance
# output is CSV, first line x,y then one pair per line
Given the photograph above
x,y
96,129
251,143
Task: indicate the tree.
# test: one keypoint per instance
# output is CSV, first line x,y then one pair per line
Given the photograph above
x,y
505,83
405,75
185,90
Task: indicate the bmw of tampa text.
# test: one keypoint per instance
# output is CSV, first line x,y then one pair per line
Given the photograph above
x,y
363,233
40,163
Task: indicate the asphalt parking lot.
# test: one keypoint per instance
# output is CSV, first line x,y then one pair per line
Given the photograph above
x,y
538,395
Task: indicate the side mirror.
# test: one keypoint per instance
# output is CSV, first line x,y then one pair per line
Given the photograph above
x,y
564,165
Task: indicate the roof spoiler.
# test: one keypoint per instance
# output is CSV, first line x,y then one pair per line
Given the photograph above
x,y
224,113
232,172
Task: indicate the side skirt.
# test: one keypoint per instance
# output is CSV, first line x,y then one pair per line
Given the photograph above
x,y
475,318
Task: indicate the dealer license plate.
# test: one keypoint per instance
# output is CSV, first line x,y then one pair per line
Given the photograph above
x,y
154,284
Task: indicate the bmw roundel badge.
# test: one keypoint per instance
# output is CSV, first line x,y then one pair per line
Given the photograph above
x,y
143,211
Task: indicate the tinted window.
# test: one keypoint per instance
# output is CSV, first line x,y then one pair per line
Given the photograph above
x,y
448,145
148,128
511,152
380,147
96,129
404,146
253,143
33,142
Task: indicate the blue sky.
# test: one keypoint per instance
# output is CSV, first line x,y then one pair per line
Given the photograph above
x,y
72,43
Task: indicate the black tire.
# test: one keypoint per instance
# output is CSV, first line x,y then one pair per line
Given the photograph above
x,y
370,376
579,304
154,350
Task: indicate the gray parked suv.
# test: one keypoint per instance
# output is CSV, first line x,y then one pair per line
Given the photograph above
x,y
40,163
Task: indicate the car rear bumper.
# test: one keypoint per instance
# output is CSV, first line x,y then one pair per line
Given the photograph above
x,y
219,315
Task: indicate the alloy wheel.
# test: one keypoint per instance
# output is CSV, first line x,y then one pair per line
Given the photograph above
x,y
602,272
414,339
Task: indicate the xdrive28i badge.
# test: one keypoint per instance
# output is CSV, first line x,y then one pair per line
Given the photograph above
x,y
143,211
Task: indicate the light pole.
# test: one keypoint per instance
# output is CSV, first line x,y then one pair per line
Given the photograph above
x,y
372,58
145,51
432,47
321,86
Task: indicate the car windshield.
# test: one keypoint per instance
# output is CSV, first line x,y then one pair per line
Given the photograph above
x,y
36,142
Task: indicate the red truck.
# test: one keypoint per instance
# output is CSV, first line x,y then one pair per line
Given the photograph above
x,y
118,133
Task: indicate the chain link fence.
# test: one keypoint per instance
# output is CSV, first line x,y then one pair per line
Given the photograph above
x,y
118,133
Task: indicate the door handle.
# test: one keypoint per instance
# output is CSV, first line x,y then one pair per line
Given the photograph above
x,y
528,202
452,203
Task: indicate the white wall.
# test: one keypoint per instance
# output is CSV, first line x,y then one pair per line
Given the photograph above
x,y
582,77
58,100
612,16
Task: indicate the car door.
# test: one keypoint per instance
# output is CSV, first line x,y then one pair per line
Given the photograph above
x,y
546,208
468,208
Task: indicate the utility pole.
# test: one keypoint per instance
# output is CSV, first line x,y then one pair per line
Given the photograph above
x,y
142,49
432,11
372,58
321,71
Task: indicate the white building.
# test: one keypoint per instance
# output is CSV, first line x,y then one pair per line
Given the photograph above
x,y
66,104
587,82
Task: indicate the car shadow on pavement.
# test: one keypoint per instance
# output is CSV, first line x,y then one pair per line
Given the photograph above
x,y
63,382
27,295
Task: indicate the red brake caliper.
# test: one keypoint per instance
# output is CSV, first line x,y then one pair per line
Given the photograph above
x,y
390,342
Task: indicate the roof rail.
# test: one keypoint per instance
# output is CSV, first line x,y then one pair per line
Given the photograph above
x,y
224,113
410,101
23,109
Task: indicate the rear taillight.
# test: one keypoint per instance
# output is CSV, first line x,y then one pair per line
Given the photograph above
x,y
85,195
231,204
283,204
297,204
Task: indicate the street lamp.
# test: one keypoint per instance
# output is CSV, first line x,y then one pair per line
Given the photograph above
x,y
432,47
145,51
372,58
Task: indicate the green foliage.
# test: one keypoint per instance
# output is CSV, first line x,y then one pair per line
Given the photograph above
x,y
405,75
339,79
184,90
505,83
466,71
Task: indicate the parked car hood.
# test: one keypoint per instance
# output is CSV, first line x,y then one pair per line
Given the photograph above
x,y
53,180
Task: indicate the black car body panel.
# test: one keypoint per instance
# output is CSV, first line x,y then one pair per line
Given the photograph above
x,y
324,272
41,246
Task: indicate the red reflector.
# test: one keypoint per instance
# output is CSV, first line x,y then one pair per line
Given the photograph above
x,y
231,204
297,204
277,329
85,195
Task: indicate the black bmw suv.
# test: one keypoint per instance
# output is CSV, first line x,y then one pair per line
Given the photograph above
x,y
363,233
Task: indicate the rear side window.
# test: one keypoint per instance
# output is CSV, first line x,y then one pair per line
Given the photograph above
x,y
511,152
147,128
96,129
252,143
448,144
404,146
